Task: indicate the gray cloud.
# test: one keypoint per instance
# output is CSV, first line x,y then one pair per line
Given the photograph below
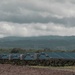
x,y
34,29
38,11
37,17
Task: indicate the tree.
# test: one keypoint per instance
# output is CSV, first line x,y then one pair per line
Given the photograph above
x,y
15,50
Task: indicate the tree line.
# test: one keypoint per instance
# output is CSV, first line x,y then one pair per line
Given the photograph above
x,y
20,50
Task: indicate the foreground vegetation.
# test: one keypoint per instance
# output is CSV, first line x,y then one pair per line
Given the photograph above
x,y
37,62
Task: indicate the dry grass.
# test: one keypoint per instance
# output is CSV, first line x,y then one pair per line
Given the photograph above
x,y
68,68
7,69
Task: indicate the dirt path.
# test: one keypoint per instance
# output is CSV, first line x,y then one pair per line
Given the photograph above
x,y
7,69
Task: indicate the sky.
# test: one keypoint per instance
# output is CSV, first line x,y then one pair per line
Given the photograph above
x,y
37,18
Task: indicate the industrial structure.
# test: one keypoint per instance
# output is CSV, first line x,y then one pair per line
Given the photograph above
x,y
42,58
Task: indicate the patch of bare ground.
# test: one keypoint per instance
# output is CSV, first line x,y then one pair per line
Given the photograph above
x,y
7,69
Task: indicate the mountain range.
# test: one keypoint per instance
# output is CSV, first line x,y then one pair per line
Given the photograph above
x,y
39,42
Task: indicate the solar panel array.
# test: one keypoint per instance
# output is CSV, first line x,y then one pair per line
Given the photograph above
x,y
42,55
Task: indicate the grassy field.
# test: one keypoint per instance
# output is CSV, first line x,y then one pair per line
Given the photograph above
x,y
69,68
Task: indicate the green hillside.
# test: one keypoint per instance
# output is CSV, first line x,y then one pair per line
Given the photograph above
x,y
41,42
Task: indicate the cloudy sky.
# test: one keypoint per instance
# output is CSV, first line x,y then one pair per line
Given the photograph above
x,y
37,17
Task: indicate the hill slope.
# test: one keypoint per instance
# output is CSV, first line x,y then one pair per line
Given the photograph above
x,y
41,42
